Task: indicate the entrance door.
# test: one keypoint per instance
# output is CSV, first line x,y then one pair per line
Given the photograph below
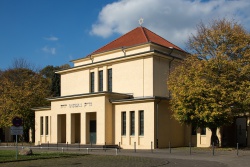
x,y
241,131
92,128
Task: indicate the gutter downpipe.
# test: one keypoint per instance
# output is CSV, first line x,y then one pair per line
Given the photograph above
x,y
157,123
91,58
123,50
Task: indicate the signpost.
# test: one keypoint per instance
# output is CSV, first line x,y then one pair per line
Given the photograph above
x,y
16,129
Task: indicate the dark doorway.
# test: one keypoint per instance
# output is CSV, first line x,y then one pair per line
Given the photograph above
x,y
241,124
92,128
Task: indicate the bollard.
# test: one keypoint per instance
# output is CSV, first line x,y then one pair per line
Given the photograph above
x,y
87,150
151,147
116,151
135,146
190,146
237,149
169,145
67,146
62,150
213,148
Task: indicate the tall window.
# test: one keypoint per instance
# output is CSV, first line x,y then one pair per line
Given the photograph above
x,y
100,77
92,82
110,80
141,122
46,125
41,125
132,123
123,123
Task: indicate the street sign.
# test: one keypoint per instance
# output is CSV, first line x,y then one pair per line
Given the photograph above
x,y
17,122
16,130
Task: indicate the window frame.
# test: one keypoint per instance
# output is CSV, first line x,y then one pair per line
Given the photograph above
x,y
92,82
46,125
100,81
132,123
41,126
110,84
124,122
141,122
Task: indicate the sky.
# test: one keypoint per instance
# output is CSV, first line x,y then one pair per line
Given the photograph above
x,y
54,32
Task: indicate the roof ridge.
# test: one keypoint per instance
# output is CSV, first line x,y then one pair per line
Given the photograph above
x,y
144,33
164,39
112,41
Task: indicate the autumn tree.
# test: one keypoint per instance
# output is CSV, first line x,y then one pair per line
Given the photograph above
x,y
211,86
20,90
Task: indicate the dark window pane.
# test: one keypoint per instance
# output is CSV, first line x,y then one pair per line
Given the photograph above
x,y
110,80
124,123
132,123
100,81
46,125
92,82
141,117
41,125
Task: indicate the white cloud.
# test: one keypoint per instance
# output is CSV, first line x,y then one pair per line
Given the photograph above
x,y
173,20
49,50
51,38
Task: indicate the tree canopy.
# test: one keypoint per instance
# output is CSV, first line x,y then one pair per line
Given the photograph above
x,y
54,79
20,90
211,86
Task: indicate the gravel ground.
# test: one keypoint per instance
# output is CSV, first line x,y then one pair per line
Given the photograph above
x,y
112,161
142,158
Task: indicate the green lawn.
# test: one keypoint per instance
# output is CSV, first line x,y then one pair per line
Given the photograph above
x,y
10,155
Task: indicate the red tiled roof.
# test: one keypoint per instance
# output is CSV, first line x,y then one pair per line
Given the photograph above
x,y
137,36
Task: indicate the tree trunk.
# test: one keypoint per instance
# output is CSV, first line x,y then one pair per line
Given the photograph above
x,y
214,137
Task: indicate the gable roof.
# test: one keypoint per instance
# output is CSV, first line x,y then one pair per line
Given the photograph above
x,y
139,35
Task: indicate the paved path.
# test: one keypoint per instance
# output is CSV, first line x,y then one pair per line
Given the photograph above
x,y
145,158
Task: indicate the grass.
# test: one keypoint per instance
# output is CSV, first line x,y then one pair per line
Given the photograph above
x,y
10,156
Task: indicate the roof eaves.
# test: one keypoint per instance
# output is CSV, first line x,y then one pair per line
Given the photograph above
x,y
140,99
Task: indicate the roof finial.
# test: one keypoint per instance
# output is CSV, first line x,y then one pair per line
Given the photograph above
x,y
141,21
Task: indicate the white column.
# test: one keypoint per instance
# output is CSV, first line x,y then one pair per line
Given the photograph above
x,y
68,128
105,80
83,128
96,80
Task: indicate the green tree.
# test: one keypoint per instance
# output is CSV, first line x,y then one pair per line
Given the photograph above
x,y
49,72
211,86
20,90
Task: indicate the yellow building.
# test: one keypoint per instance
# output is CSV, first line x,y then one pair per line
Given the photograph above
x,y
118,96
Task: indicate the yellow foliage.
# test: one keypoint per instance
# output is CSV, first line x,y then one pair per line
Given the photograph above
x,y
212,85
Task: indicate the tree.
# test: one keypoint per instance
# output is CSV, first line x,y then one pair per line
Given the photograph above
x,y
211,86
20,90
49,72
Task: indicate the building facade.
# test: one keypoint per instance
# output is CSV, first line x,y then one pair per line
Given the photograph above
x,y
118,95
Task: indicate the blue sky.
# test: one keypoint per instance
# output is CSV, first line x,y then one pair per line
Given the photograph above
x,y
53,32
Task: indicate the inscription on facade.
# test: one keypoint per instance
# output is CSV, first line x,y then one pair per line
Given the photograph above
x,y
76,105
